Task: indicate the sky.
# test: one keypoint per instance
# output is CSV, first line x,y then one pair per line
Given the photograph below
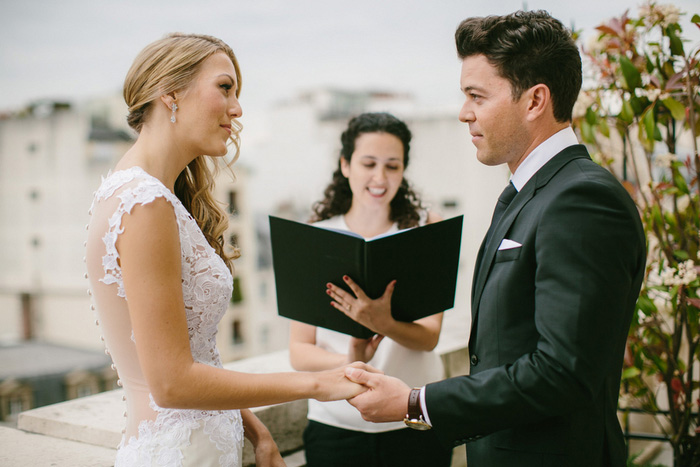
x,y
79,49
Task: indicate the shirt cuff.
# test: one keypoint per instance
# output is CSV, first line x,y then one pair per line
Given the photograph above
x,y
423,407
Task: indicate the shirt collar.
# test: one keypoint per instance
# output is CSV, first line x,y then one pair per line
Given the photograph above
x,y
541,155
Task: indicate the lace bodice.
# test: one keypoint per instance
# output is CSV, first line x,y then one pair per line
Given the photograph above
x,y
154,435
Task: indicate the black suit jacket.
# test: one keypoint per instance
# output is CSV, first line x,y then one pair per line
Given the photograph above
x,y
549,324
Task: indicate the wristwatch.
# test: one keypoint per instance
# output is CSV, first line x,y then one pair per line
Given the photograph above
x,y
414,418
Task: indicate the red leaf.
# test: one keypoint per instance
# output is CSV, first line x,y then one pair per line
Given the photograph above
x,y
675,82
694,301
607,30
676,385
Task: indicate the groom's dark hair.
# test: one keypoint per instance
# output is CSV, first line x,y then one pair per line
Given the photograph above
x,y
527,48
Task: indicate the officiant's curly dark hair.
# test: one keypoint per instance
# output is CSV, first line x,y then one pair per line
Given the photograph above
x,y
405,207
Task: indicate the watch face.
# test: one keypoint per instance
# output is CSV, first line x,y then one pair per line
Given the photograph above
x,y
417,424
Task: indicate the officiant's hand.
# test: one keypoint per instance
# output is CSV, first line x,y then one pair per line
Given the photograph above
x,y
422,334
373,314
363,349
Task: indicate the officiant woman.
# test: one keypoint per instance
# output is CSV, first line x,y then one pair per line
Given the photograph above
x,y
370,196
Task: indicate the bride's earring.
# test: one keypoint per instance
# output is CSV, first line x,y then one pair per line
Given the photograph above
x,y
172,117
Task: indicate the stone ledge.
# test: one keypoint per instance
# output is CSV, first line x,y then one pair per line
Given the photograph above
x,y
97,421
20,449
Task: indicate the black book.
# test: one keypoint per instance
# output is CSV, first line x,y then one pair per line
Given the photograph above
x,y
423,260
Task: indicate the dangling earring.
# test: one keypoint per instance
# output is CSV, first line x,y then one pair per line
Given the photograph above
x,y
172,117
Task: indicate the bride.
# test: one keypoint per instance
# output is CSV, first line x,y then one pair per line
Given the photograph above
x,y
161,278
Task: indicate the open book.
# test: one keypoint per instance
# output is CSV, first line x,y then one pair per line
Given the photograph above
x,y
423,260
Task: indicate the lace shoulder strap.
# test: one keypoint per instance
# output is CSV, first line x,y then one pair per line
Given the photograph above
x,y
131,187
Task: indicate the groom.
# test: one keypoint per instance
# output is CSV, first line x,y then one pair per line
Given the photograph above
x,y
557,276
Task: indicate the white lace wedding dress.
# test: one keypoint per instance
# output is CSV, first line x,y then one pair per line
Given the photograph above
x,y
156,436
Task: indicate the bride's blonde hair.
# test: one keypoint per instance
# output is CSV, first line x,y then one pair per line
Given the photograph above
x,y
168,65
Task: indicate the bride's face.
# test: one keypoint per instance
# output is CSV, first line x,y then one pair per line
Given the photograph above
x,y
207,107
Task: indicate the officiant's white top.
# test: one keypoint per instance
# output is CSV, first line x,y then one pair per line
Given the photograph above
x,y
415,368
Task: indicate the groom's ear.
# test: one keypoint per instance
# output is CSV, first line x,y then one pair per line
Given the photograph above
x,y
539,102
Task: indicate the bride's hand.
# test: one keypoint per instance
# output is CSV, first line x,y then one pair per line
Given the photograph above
x,y
266,451
333,385
267,454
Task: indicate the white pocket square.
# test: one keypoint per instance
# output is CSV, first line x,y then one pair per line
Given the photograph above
x,y
507,244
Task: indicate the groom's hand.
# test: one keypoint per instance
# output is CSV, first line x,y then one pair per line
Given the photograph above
x,y
386,398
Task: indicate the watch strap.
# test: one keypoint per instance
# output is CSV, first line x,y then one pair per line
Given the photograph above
x,y
414,409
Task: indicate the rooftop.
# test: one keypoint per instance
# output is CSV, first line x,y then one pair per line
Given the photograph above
x,y
29,359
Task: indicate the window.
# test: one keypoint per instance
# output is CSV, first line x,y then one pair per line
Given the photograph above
x,y
15,397
232,203
16,405
81,383
84,390
237,296
237,332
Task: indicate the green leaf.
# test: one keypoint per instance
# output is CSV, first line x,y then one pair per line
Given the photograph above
x,y
695,19
676,108
650,63
587,133
681,255
591,116
658,362
693,319
632,77
656,215
603,127
649,123
670,219
637,105
646,305
647,144
676,42
679,180
627,113
630,372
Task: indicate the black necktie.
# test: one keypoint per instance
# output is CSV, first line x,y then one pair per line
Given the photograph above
x,y
503,201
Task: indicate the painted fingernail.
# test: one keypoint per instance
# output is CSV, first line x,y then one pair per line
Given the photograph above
x,y
345,278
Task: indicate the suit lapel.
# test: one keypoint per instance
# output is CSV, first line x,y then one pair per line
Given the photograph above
x,y
487,252
489,249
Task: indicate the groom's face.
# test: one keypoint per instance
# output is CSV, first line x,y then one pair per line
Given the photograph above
x,y
496,121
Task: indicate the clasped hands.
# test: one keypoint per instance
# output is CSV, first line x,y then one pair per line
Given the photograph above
x,y
385,398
